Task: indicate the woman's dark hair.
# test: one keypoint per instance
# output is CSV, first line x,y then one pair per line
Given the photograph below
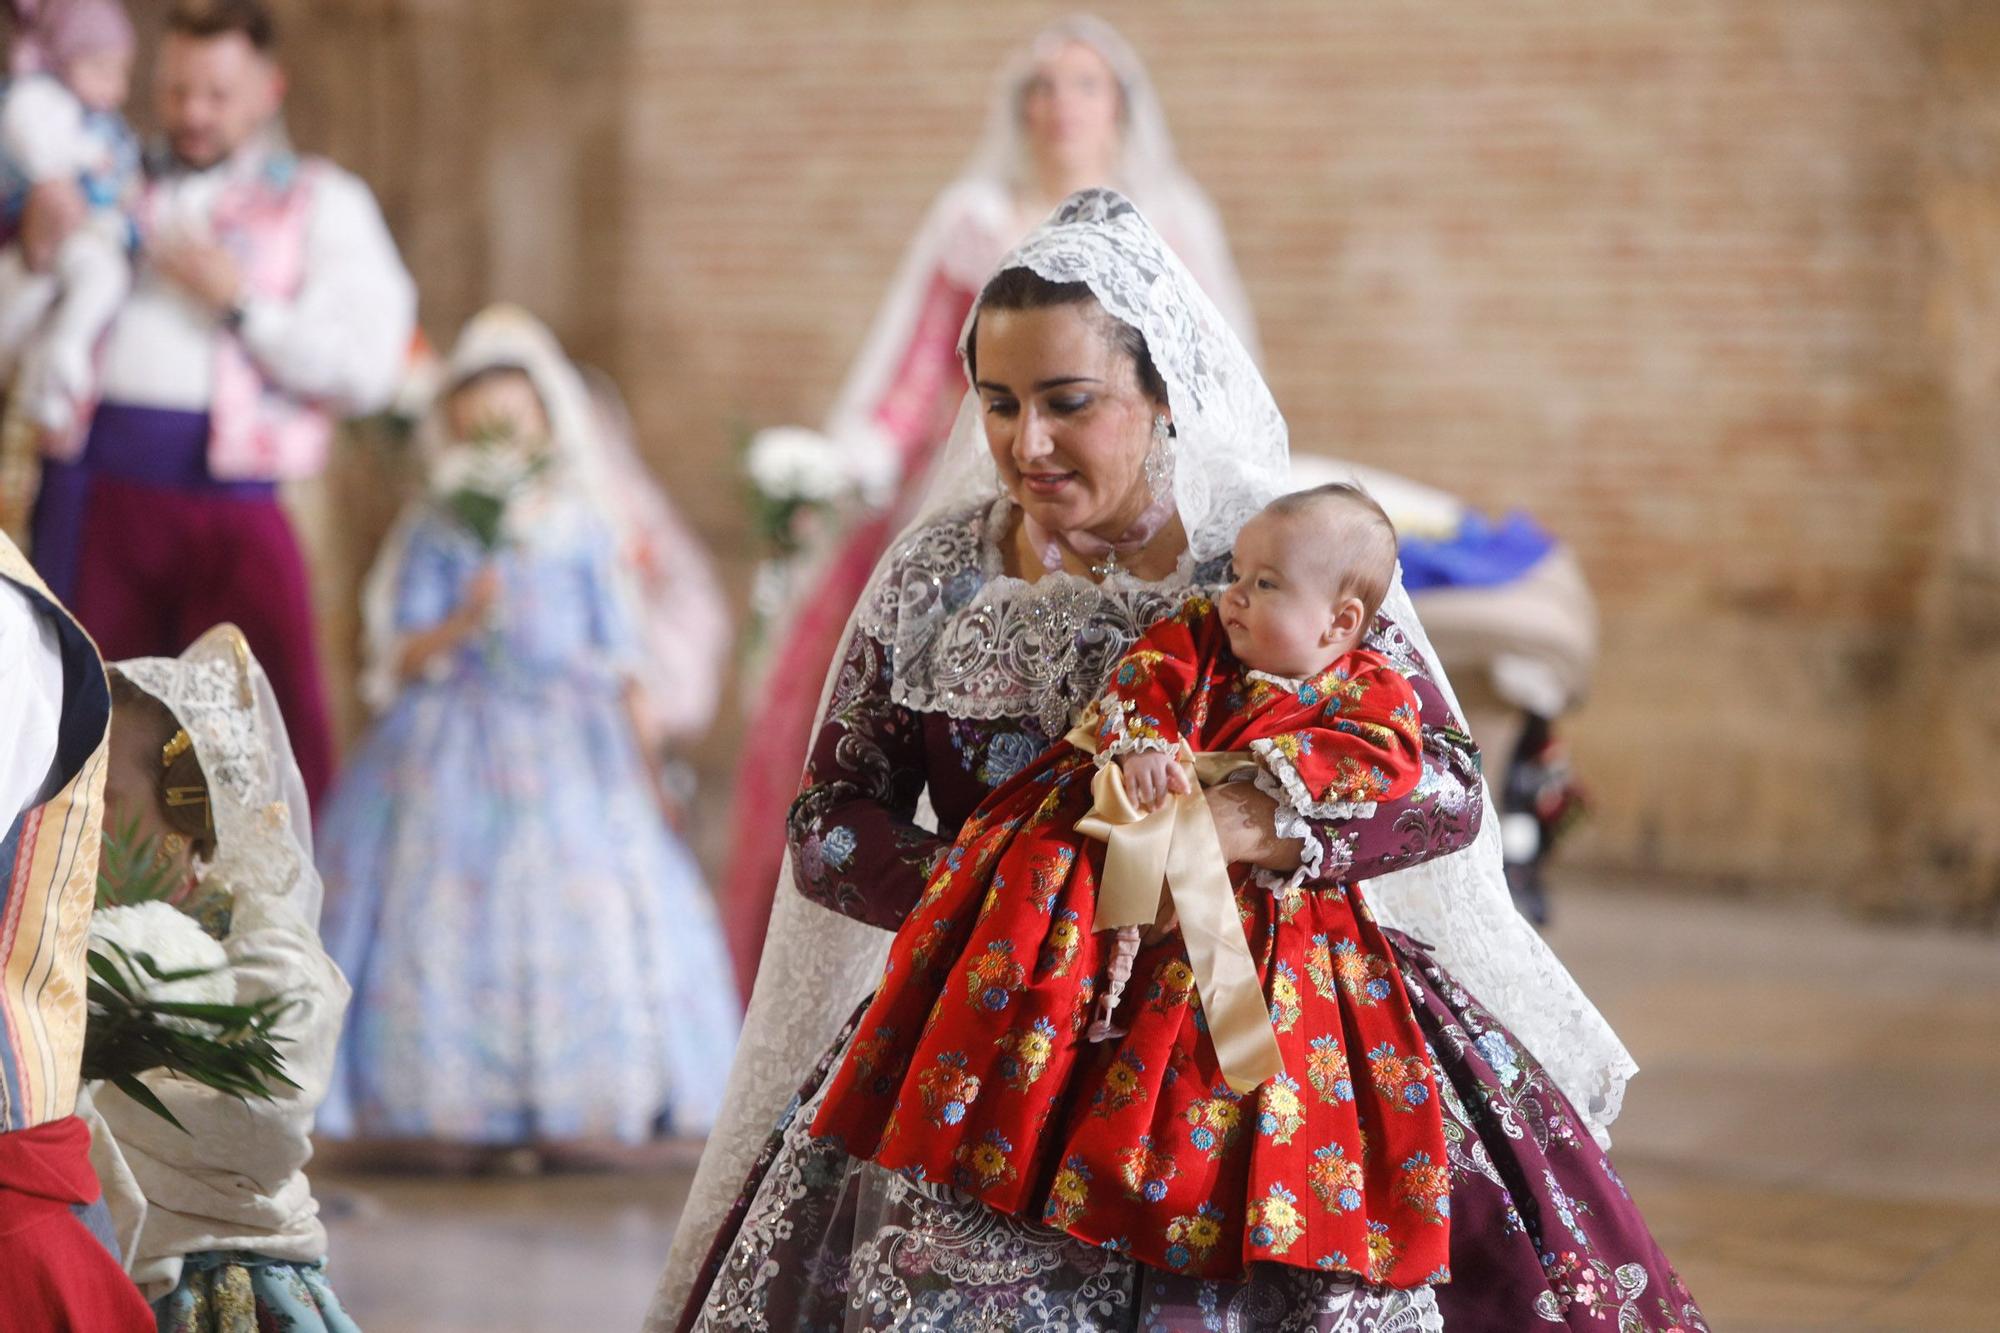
x,y
189,818
1025,289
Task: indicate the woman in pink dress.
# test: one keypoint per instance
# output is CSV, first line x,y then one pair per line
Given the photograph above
x,y
1073,109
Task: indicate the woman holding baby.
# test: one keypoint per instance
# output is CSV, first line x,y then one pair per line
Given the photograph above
x,y
1114,443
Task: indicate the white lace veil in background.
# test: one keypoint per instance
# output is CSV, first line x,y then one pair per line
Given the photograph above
x,y
974,220
1229,458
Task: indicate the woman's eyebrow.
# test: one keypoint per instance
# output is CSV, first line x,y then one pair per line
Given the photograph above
x,y
1040,386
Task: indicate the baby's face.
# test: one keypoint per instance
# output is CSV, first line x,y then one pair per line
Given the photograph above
x,y
1280,611
101,80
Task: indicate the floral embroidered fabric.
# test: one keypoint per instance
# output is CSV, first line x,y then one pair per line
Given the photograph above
x,y
971,1071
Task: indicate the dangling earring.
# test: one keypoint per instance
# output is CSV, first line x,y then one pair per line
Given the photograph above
x,y
1159,465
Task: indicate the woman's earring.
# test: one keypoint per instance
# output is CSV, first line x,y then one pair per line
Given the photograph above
x,y
1159,466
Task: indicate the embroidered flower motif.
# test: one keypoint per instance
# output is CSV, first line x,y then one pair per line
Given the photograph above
x,y
1407,720
1173,983
1292,744
1213,1120
1426,1187
925,951
993,977
1364,976
1280,1113
1121,1086
1060,948
1326,1070
984,1164
1399,1080
868,1056
1006,755
1049,878
1146,1170
947,1089
838,847
1319,967
1027,1051
1383,1252
1069,1195
1191,1236
1335,1179
1498,1052
1275,1220
1285,1008
1354,780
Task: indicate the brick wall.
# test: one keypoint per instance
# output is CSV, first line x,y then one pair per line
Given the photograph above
x,y
1671,277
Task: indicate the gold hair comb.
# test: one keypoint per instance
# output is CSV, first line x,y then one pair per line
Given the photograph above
x,y
175,748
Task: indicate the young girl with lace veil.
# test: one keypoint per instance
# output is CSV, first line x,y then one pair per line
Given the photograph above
x,y
1000,612
1073,107
217,1220
535,961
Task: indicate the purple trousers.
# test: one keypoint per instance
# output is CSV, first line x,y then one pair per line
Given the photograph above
x,y
149,551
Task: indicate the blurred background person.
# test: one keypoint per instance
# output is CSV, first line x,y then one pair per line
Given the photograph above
x,y
535,959
61,121
1073,108
269,297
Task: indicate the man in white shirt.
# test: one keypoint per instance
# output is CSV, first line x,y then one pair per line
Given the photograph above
x,y
268,300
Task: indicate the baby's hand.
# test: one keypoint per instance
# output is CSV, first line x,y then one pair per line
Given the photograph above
x,y
1150,776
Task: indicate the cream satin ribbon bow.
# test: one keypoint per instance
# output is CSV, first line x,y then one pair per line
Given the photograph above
x,y
1174,852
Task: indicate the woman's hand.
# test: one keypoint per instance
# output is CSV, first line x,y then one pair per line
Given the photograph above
x,y
1244,821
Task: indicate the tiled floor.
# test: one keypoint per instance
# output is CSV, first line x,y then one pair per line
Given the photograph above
x,y
1815,1138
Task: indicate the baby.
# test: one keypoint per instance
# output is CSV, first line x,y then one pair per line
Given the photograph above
x,y
971,1069
59,120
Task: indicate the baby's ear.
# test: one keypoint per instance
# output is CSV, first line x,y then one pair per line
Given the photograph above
x,y
1345,622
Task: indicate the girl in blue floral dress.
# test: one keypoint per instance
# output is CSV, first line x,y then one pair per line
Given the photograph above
x,y
534,956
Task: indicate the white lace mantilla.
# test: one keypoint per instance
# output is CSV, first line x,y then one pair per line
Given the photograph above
x,y
970,641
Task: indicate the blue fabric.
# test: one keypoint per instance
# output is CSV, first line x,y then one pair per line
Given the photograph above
x,y
1481,554
105,189
233,1292
533,952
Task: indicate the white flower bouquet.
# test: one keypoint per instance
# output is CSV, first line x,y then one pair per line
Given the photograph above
x,y
160,993
475,481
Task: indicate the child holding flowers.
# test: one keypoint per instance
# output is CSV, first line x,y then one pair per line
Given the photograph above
x,y
535,960
204,803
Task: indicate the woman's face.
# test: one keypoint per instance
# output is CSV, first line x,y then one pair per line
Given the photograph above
x,y
132,795
500,406
1065,417
1071,108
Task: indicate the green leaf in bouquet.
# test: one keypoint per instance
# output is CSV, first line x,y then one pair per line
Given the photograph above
x,y
478,513
130,870
128,1033
130,1085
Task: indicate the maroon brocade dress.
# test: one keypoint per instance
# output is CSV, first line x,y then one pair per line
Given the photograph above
x,y
1543,1234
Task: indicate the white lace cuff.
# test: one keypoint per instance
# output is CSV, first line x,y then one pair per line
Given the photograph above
x,y
1292,790
1288,822
1123,742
